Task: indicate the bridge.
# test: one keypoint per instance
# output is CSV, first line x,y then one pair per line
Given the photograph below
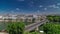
x,y
34,25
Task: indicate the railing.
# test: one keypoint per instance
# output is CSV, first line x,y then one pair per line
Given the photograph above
x,y
34,25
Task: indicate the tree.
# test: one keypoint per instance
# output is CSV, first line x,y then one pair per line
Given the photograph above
x,y
53,18
51,28
15,28
33,20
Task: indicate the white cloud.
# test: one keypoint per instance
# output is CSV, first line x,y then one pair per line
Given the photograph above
x,y
53,6
17,9
45,8
58,3
56,7
40,6
12,11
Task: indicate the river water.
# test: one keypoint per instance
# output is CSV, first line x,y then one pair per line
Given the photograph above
x,y
3,25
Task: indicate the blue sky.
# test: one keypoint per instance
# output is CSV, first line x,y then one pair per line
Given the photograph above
x,y
30,6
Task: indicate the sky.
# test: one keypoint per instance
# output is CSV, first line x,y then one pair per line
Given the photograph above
x,y
30,6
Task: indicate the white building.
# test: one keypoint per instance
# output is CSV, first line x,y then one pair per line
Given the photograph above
x,y
1,18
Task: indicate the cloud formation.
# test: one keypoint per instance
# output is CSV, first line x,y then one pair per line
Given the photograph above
x,y
53,6
58,3
17,9
45,8
40,6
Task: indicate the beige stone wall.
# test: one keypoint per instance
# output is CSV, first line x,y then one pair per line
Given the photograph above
x,y
3,33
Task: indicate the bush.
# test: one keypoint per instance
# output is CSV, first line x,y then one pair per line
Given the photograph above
x,y
35,33
31,32
15,28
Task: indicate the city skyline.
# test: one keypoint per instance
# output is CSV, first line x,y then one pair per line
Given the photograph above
x,y
30,6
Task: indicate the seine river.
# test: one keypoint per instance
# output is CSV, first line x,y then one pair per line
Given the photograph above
x,y
3,25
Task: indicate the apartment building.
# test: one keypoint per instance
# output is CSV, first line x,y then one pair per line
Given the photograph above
x,y
8,18
29,18
21,18
1,18
37,18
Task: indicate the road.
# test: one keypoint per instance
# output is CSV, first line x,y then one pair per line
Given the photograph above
x,y
34,25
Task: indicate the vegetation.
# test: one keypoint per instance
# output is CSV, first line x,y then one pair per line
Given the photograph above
x,y
53,18
18,28
15,28
51,28
31,33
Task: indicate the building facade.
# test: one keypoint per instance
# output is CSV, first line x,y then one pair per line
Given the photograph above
x,y
21,18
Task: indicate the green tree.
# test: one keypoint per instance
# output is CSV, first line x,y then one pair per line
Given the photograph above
x,y
33,20
51,28
15,28
53,18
